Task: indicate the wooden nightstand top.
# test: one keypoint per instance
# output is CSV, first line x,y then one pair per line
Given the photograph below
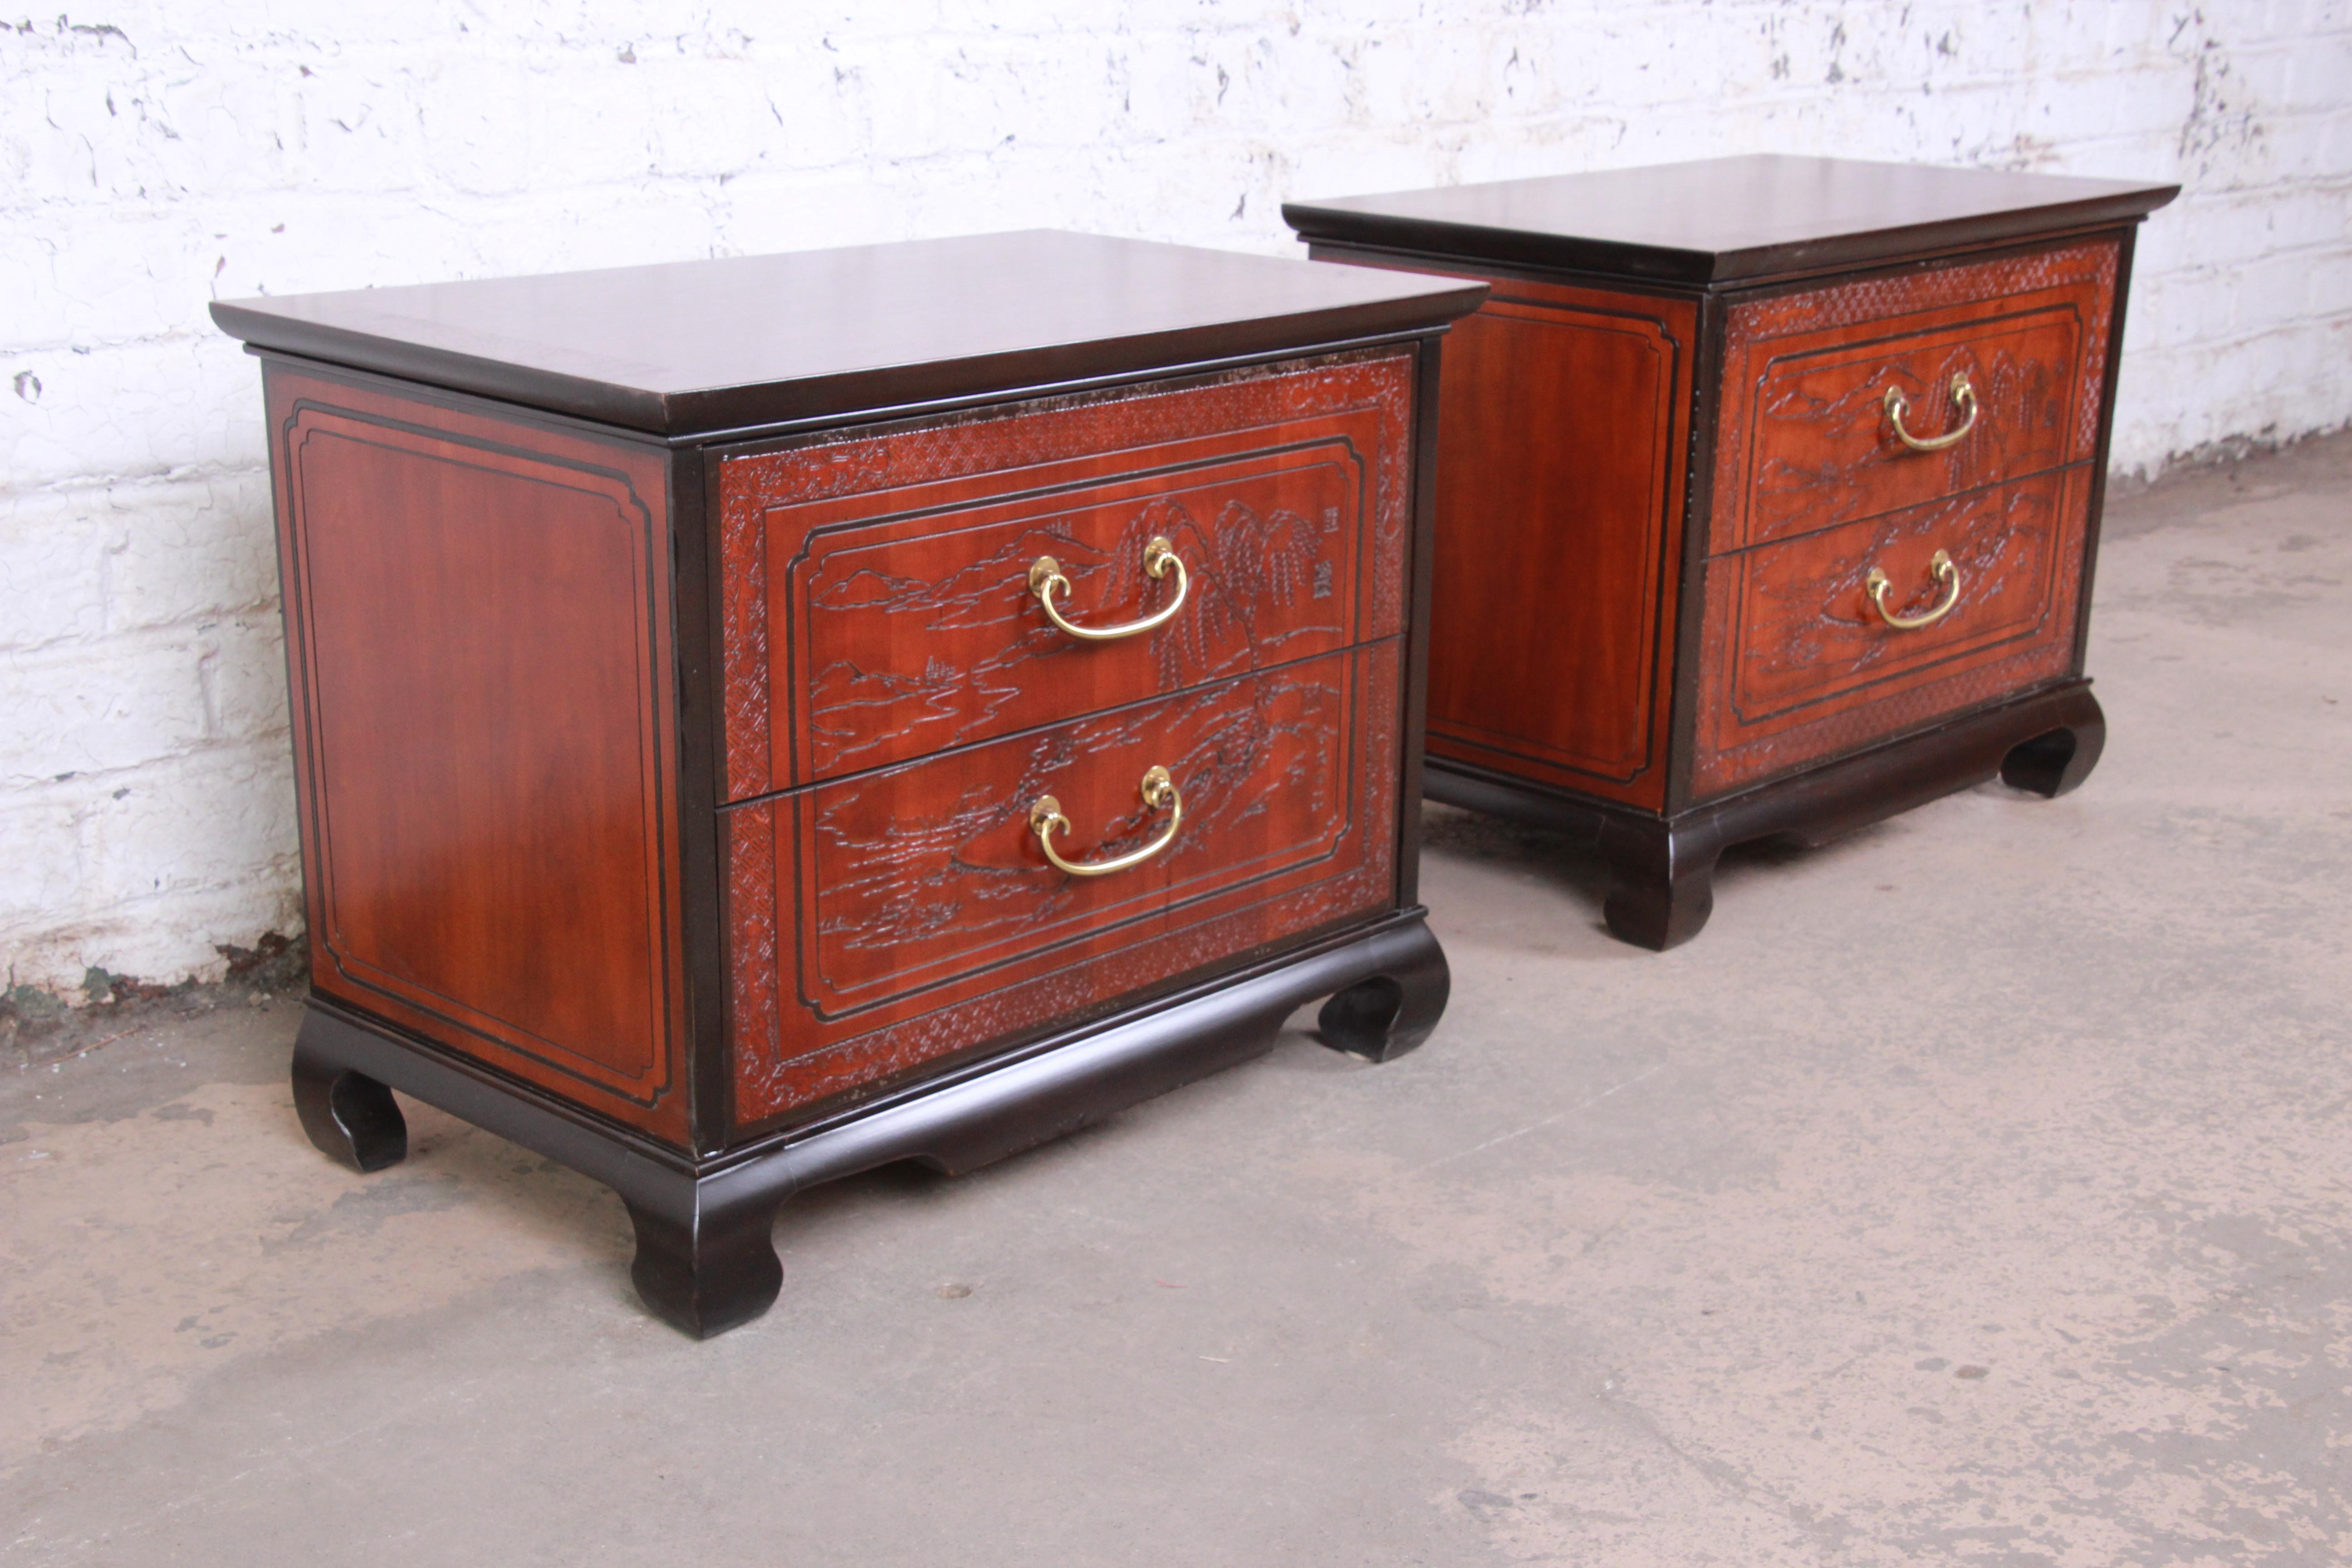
x,y
698,347
1723,220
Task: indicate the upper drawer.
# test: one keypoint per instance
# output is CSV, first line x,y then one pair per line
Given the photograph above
x,y
1808,438
878,598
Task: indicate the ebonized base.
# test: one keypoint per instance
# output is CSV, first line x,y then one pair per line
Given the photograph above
x,y
706,1261
1662,868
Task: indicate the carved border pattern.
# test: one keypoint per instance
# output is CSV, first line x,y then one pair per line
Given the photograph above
x,y
1890,298
774,1077
1009,438
1732,755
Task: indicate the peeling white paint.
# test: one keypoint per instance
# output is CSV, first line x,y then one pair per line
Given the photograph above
x,y
153,156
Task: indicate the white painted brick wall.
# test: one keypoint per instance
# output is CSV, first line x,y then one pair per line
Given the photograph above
x,y
152,155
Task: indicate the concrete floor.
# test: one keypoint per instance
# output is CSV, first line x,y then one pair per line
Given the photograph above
x,y
1973,1191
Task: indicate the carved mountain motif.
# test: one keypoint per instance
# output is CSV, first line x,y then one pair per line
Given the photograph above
x,y
1806,624
889,920
917,644
1795,664
1806,441
933,867
1827,451
876,585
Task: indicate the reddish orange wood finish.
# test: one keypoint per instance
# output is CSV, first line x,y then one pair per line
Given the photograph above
x,y
478,622
1557,553
882,922
1796,664
916,630
877,598
1806,442
1800,293
664,794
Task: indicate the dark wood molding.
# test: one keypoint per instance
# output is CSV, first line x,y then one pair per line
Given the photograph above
x,y
1661,867
1725,220
697,347
2112,354
705,1260
1412,720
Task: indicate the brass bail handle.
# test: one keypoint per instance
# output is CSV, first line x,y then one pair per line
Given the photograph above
x,y
1046,819
1945,572
1046,580
1964,396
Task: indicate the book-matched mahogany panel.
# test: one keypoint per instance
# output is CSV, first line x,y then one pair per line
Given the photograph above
x,y
883,922
1799,663
478,613
1808,439
1565,413
877,594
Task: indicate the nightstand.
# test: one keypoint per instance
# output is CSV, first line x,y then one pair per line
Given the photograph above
x,y
758,720
1769,496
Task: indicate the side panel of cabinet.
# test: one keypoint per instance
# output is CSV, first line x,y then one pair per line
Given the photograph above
x,y
480,641
1562,430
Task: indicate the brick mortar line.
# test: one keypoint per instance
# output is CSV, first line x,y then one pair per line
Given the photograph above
x,y
100,642
31,786
192,474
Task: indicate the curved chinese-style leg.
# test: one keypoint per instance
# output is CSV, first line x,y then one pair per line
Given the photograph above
x,y
2054,761
1665,876
1386,1015
706,1259
351,1118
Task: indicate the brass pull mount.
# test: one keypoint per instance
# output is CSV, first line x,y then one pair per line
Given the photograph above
x,y
1945,572
1159,791
1963,396
1045,581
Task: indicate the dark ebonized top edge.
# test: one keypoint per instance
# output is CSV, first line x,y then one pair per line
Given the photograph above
x,y
550,391
1725,221
694,347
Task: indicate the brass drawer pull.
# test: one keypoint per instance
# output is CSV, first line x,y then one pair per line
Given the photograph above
x,y
1046,579
1158,789
1945,572
1963,396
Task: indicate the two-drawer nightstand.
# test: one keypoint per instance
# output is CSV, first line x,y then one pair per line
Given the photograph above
x,y
1768,491
759,719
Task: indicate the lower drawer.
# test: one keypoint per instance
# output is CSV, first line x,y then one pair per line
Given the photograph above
x,y
1817,645
880,924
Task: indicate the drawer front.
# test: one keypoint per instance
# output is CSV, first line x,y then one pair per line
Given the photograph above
x,y
883,922
1799,662
1808,439
879,604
